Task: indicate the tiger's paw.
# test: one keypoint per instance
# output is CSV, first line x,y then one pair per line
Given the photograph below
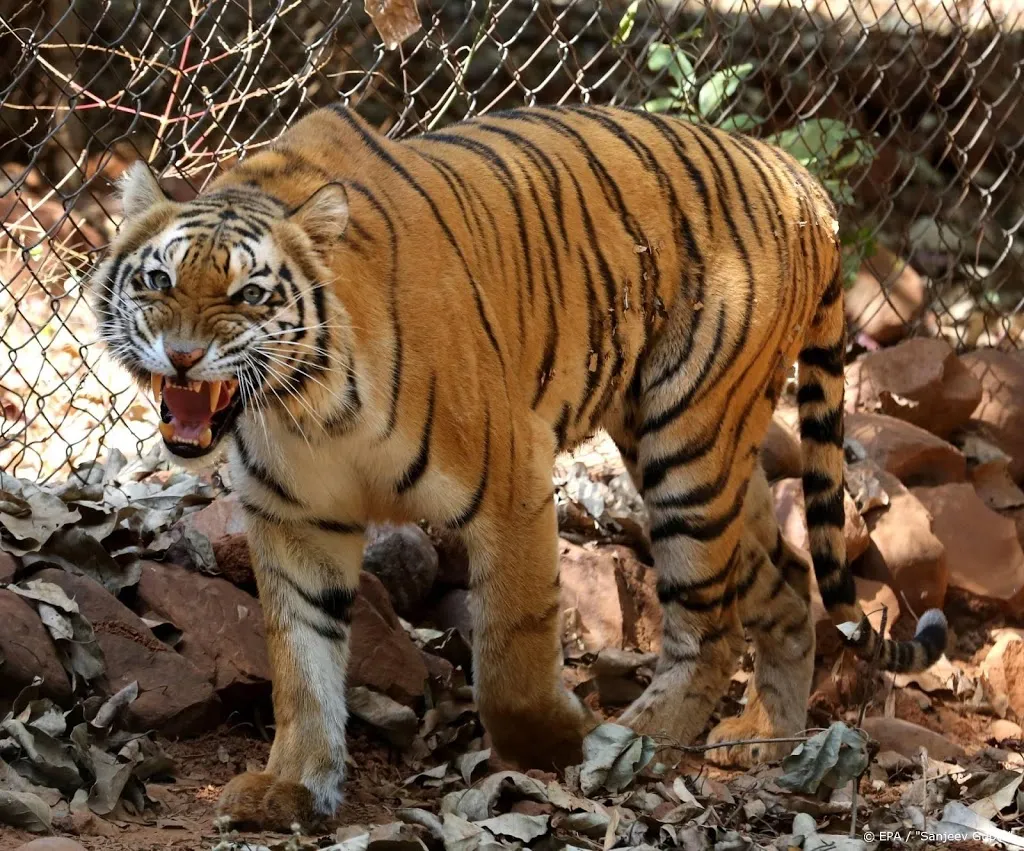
x,y
551,739
754,751
263,802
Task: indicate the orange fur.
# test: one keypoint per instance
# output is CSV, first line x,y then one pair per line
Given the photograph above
x,y
452,310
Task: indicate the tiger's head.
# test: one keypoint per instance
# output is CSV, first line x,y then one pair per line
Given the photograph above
x,y
221,304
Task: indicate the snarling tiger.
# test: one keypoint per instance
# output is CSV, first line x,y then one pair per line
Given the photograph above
x,y
413,329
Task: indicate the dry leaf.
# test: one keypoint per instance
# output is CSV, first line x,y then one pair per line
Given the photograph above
x,y
395,20
24,810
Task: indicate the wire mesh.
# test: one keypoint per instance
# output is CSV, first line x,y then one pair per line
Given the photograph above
x,y
909,109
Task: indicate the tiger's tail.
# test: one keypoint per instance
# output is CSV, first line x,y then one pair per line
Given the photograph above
x,y
820,400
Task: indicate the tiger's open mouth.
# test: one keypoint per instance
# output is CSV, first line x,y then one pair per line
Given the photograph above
x,y
194,415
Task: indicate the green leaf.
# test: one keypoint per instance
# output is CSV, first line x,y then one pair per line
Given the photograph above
x,y
661,56
663,104
819,144
721,86
739,122
832,758
626,23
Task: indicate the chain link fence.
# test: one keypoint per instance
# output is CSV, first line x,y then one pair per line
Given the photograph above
x,y
909,110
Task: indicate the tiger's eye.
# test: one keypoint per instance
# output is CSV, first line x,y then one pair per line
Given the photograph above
x,y
158,279
252,294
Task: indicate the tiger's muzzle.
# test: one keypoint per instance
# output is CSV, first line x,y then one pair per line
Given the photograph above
x,y
194,415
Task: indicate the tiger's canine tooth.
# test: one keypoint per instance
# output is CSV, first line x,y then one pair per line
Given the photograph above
x,y
206,438
167,431
214,394
156,384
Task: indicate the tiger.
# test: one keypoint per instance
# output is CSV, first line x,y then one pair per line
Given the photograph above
x,y
378,329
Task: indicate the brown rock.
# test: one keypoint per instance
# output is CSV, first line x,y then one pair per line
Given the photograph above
x,y
904,552
983,553
1017,516
404,560
8,567
641,609
780,452
875,597
221,518
920,381
452,558
382,656
222,522
174,696
234,560
1003,667
906,738
51,843
614,594
789,511
913,455
1002,404
222,628
27,651
886,296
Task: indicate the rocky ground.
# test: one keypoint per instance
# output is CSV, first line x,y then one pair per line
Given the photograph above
x,y
134,679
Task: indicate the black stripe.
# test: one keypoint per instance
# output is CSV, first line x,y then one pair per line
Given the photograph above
x,y
828,511
265,516
419,464
705,529
669,588
478,497
260,473
338,526
816,484
808,394
561,427
777,586
332,631
335,601
658,422
835,288
505,177
379,150
826,429
396,326
835,582
830,359
712,136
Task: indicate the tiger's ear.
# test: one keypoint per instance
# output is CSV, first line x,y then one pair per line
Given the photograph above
x,y
324,214
139,190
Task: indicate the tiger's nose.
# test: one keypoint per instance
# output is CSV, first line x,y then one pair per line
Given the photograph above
x,y
184,358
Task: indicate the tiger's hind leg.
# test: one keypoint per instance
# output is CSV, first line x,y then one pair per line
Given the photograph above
x,y
774,604
694,493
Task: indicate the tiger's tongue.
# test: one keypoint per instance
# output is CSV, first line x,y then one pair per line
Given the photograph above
x,y
190,410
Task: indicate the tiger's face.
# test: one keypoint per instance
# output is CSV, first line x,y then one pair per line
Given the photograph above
x,y
220,304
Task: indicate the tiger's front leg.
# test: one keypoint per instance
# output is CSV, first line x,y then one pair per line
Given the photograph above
x,y
532,719
307,579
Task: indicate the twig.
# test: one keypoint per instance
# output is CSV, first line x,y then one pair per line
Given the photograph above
x,y
703,748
